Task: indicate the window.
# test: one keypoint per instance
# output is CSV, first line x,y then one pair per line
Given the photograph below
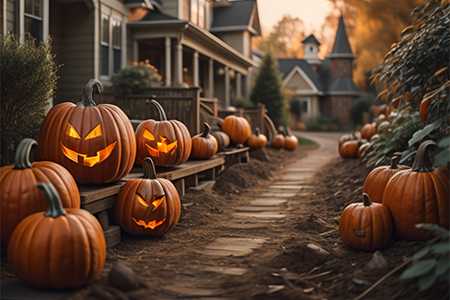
x,y
33,19
311,49
305,106
111,45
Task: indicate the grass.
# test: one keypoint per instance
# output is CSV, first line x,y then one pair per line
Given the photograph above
x,y
305,142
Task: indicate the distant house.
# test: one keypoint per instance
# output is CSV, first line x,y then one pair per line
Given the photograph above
x,y
325,87
201,43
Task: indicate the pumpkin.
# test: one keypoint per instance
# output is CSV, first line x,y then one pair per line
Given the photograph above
x,y
257,140
19,194
58,248
148,206
418,195
347,137
94,142
278,141
223,140
204,145
349,149
168,143
378,178
290,141
366,226
368,131
237,128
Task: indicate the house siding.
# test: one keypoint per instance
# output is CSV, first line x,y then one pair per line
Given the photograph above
x,y
297,82
338,107
234,39
170,7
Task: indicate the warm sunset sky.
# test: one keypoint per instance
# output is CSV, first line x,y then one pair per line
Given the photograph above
x,y
312,12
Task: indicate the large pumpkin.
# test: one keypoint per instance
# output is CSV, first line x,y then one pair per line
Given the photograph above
x,y
19,194
378,178
168,143
204,145
418,195
257,140
366,226
148,205
367,131
94,142
237,128
58,248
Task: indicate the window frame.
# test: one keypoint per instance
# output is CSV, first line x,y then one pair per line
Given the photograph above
x,y
112,17
44,19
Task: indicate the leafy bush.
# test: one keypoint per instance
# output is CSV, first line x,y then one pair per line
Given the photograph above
x,y
362,104
242,102
324,124
28,82
135,79
295,107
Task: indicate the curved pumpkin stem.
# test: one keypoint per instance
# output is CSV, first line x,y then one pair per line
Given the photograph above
x,y
366,200
149,168
162,113
22,156
394,162
257,131
422,161
207,130
55,208
86,97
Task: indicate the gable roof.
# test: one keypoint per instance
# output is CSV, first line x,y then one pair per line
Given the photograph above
x,y
341,47
287,65
239,15
311,39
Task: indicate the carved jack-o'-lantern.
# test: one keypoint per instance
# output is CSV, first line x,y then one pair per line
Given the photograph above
x,y
148,206
95,143
168,143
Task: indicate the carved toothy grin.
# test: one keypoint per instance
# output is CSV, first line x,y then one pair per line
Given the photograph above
x,y
91,160
152,224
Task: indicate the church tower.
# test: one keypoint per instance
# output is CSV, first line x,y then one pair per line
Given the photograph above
x,y
311,51
341,57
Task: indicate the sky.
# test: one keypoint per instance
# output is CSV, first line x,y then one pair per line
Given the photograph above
x,y
312,12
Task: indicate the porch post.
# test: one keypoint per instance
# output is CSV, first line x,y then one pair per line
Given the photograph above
x,y
211,79
179,63
227,86
195,69
168,62
248,83
238,84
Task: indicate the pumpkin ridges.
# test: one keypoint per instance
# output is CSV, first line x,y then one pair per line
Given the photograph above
x,y
176,204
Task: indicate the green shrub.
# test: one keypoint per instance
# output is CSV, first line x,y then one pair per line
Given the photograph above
x,y
295,107
361,105
324,124
242,102
135,79
28,82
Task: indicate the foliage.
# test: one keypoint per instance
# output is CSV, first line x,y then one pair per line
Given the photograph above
x,y
28,82
268,90
242,102
295,106
323,123
135,79
431,263
362,104
414,81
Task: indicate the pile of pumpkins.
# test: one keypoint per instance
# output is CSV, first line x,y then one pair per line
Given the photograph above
x,y
395,199
353,145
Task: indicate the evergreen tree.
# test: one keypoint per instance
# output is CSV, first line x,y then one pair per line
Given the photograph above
x,y
268,90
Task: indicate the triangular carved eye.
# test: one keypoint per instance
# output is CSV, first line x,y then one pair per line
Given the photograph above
x,y
70,131
142,201
148,135
158,201
97,131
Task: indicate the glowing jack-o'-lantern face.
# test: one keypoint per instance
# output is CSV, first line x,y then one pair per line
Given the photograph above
x,y
162,146
148,205
89,161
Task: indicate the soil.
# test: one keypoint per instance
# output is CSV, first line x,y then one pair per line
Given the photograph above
x,y
312,217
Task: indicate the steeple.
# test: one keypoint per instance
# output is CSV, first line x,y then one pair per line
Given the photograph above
x,y
311,51
341,47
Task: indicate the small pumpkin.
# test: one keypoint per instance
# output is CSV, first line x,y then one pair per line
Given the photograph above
x,y
237,128
349,149
290,141
378,178
58,248
418,195
347,137
204,145
148,205
95,143
168,143
223,140
278,141
19,194
368,131
366,226
257,140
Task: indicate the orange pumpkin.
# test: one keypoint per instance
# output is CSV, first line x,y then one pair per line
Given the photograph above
x,y
368,131
418,195
204,145
94,142
366,226
237,128
168,143
278,141
378,178
290,141
58,248
19,194
148,205
223,140
349,149
347,137
257,140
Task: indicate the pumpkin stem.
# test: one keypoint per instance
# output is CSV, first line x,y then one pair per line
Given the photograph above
x,y
366,200
86,96
422,161
162,113
394,162
149,168
207,130
22,157
55,208
257,131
